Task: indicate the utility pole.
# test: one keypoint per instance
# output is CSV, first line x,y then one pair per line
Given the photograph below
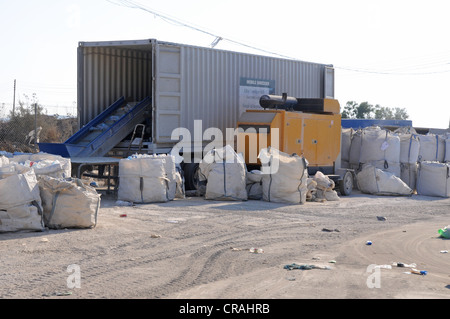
x,y
14,98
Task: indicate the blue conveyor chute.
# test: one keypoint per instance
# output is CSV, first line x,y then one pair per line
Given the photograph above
x,y
102,133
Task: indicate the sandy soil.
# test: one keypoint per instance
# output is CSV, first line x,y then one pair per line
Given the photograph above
x,y
195,248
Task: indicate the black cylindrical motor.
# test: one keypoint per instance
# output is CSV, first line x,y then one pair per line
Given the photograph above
x,y
278,102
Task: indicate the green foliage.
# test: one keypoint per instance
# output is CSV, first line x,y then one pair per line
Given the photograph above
x,y
365,110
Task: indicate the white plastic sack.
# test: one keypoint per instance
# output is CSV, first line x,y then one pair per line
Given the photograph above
x,y
432,148
374,181
433,179
409,148
379,145
284,177
143,180
68,203
390,167
22,217
225,174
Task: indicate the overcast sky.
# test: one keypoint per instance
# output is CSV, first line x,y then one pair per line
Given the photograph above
x,y
392,53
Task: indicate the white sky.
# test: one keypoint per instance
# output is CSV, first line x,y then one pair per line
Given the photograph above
x,y
393,53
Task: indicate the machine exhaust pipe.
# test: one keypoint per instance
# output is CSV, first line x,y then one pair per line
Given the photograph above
x,y
278,102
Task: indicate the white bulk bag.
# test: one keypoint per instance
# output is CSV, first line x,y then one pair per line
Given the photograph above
x,y
433,179
346,142
284,177
379,145
254,184
432,148
4,161
372,180
68,203
20,201
225,173
447,150
409,148
143,180
355,149
408,174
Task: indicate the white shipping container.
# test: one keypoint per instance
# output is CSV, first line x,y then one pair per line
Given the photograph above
x,y
188,83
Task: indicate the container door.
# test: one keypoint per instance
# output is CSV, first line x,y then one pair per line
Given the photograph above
x,y
167,91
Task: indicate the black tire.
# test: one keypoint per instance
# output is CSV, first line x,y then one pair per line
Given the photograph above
x,y
346,184
190,176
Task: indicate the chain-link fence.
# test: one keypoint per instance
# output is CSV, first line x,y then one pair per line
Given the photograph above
x,y
22,128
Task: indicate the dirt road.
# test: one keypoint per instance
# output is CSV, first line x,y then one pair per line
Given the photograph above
x,y
194,248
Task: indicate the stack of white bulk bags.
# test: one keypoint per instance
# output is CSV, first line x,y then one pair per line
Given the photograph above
x,y
284,177
225,173
381,148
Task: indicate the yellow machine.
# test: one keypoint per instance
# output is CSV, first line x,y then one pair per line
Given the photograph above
x,y
308,127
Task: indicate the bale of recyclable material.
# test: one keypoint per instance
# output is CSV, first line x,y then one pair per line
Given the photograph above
x,y
68,203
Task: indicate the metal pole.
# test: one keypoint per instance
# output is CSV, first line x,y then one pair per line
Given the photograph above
x,y
35,127
14,98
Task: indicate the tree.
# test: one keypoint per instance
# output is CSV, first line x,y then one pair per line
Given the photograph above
x,y
365,110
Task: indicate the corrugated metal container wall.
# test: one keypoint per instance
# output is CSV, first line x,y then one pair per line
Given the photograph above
x,y
211,83
190,82
107,73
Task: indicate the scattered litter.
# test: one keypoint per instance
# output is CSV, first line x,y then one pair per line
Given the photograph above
x,y
445,232
399,264
330,230
381,218
67,293
172,221
123,215
44,240
304,267
256,250
383,266
332,261
155,236
418,272
368,243
444,251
